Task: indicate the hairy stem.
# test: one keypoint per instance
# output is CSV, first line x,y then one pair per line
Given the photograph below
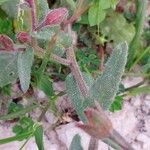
x,y
41,52
49,105
80,9
48,53
135,86
101,55
76,72
116,137
33,13
93,145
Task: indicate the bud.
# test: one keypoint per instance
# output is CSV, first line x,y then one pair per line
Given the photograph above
x,y
23,37
98,124
54,17
6,43
30,2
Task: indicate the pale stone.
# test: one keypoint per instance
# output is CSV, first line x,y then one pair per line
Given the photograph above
x,y
40,94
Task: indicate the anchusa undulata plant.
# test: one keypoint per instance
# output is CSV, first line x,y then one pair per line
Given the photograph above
x,y
49,37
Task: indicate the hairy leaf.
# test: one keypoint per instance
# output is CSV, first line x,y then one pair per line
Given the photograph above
x,y
25,60
45,35
76,143
10,7
75,96
8,67
106,85
42,9
39,137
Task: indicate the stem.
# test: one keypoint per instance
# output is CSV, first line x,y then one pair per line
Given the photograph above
x,y
40,53
15,138
60,60
101,53
75,70
77,73
112,144
47,55
116,137
43,112
25,142
33,14
80,9
93,145
18,113
140,17
134,86
50,103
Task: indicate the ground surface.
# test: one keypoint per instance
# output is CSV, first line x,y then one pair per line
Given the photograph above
x,y
133,122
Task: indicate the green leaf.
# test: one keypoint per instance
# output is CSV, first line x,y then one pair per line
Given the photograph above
x,y
39,137
10,7
44,83
104,4
24,125
96,13
6,90
26,121
106,85
15,138
6,27
116,28
18,113
46,86
8,67
114,3
139,90
117,104
13,107
17,129
76,143
25,60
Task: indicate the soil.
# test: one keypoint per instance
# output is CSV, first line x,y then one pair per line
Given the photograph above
x,y
132,122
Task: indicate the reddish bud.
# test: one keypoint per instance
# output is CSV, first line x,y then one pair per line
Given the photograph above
x,y
6,43
23,37
98,125
30,2
54,17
